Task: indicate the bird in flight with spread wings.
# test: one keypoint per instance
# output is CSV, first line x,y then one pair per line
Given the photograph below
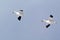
x,y
49,21
19,14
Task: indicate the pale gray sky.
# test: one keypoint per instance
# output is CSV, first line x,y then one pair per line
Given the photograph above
x,y
30,27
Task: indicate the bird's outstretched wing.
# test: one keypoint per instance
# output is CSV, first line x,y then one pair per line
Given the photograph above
x,y
47,25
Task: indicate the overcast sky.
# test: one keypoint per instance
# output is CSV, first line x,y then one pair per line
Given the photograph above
x,y
30,27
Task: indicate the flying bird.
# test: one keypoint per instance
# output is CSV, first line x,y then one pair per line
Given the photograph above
x,y
19,14
49,21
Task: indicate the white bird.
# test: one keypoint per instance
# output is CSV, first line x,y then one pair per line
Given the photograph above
x,y
19,14
49,21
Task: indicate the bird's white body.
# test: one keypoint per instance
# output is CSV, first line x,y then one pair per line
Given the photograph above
x,y
48,21
18,13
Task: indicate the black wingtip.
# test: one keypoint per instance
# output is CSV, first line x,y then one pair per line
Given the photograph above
x,y
47,25
51,16
21,10
19,18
